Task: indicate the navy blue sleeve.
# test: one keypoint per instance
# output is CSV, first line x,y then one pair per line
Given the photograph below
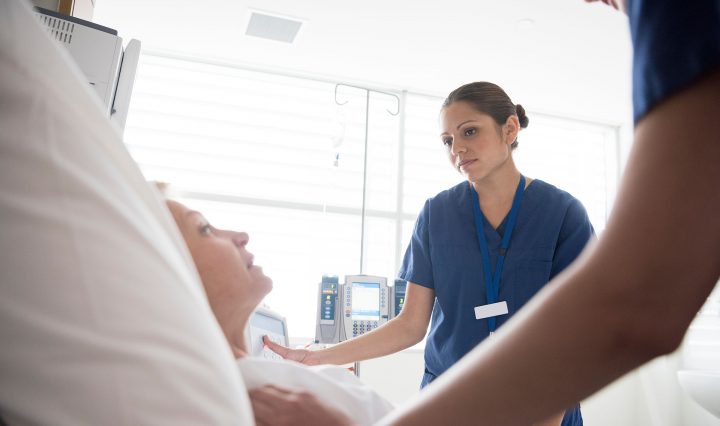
x,y
575,233
674,44
417,267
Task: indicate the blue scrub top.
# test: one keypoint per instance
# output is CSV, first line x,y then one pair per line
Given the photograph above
x,y
674,44
444,255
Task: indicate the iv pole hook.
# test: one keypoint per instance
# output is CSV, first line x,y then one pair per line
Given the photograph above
x,y
367,118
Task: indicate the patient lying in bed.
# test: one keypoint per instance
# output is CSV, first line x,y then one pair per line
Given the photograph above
x,y
235,285
103,320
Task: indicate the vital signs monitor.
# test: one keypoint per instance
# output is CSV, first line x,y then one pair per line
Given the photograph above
x,y
359,305
365,304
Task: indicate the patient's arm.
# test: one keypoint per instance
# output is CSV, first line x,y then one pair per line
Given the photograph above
x,y
277,406
403,331
629,298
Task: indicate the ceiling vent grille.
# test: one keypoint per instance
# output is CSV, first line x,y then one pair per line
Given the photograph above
x,y
273,27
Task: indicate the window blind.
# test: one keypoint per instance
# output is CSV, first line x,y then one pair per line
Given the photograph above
x,y
276,156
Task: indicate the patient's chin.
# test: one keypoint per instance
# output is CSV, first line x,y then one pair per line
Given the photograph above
x,y
267,284
261,280
262,288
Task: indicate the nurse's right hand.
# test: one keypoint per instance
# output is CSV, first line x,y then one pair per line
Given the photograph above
x,y
302,356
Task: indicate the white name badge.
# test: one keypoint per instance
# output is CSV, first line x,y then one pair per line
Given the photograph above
x,y
491,310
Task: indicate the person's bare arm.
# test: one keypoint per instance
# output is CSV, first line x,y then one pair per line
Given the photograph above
x,y
629,298
401,332
555,420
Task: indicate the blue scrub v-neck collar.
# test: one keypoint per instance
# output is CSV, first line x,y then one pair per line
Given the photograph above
x,y
495,234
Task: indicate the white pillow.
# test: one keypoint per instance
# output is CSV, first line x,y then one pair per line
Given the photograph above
x,y
102,316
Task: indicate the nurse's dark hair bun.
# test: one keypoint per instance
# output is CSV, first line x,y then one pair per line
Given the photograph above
x,y
522,117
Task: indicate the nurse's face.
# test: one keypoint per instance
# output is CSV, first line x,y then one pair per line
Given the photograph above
x,y
233,283
476,145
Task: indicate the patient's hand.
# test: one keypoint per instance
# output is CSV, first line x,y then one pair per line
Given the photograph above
x,y
298,355
277,406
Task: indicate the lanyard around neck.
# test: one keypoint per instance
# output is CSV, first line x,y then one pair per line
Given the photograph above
x,y
492,281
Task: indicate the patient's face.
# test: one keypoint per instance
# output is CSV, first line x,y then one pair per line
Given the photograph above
x,y
234,285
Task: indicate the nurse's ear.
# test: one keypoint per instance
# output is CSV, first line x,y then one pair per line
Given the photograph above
x,y
510,129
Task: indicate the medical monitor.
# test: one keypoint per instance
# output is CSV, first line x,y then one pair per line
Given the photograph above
x,y
264,322
365,303
98,52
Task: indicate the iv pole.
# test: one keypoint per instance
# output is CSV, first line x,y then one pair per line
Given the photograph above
x,y
356,365
365,154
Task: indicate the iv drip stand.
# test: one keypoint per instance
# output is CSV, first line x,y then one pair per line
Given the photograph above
x,y
365,154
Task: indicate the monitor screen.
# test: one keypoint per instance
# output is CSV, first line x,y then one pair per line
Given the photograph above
x,y
365,301
268,324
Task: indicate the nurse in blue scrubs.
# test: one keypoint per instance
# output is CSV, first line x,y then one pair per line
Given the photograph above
x,y
484,247
480,250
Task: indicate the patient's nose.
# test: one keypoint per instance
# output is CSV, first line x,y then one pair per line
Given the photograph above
x,y
240,239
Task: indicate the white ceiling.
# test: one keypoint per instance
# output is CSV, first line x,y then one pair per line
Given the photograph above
x,y
573,59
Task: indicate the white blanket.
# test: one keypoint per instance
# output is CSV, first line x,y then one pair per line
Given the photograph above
x,y
331,384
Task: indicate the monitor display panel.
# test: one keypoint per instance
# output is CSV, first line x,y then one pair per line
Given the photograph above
x,y
365,301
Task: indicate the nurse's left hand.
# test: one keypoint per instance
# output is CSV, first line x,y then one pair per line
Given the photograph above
x,y
276,406
303,356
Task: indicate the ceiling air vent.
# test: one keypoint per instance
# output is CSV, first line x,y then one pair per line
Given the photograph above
x,y
272,27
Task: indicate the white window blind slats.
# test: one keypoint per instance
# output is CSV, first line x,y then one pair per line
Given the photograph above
x,y
274,155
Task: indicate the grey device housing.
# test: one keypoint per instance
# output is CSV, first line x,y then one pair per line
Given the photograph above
x,y
351,327
98,52
328,321
399,290
336,324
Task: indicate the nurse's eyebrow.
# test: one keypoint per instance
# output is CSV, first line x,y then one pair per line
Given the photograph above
x,y
463,123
